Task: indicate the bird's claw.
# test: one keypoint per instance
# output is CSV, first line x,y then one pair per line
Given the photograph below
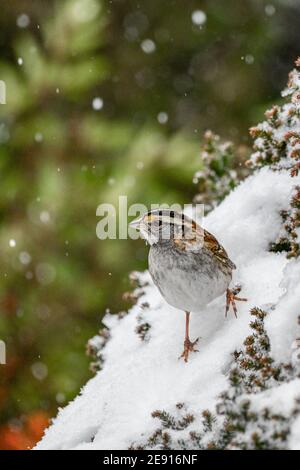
x,y
189,346
231,297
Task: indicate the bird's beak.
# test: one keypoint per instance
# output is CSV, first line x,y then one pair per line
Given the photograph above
x,y
135,223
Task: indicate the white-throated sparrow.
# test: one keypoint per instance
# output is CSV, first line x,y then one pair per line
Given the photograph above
x,y
187,264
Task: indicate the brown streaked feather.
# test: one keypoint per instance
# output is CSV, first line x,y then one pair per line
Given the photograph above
x,y
214,246
199,237
191,239
190,244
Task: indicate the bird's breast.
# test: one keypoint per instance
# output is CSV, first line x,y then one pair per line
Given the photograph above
x,y
187,280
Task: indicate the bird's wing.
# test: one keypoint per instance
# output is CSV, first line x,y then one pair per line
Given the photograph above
x,y
212,244
195,238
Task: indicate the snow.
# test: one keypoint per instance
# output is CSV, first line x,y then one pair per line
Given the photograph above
x,y
162,117
284,317
114,408
97,103
23,20
282,133
148,46
199,17
279,398
24,257
270,10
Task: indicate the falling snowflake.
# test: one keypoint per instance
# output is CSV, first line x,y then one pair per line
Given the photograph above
x,y
23,20
199,17
24,257
44,217
97,103
148,46
38,137
249,59
162,117
270,10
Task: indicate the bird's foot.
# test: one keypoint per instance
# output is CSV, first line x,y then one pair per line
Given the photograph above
x,y
231,297
189,346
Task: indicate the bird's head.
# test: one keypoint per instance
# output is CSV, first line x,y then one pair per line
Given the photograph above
x,y
163,224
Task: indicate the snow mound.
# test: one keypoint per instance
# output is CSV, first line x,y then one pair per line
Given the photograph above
x,y
139,376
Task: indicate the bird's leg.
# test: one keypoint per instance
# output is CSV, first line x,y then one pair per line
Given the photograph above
x,y
231,297
189,346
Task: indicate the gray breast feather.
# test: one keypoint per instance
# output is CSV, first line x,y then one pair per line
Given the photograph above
x,y
188,281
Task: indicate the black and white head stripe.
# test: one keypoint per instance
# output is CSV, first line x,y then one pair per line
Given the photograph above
x,y
167,216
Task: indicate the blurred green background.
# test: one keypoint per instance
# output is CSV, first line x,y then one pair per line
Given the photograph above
x,y
107,98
